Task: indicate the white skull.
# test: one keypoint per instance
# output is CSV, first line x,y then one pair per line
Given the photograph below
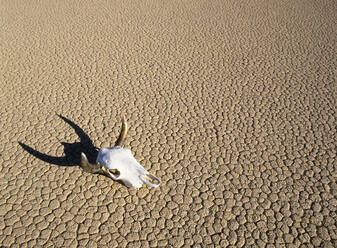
x,y
129,171
119,164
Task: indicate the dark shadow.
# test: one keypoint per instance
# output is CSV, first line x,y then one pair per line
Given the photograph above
x,y
72,151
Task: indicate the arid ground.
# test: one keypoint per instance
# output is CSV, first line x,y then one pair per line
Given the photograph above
x,y
233,104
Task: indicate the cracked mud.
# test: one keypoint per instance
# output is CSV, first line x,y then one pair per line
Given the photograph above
x,y
232,104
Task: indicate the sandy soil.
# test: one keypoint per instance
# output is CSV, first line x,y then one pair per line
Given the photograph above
x,y
233,104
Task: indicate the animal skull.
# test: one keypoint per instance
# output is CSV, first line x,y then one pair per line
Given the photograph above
x,y
119,164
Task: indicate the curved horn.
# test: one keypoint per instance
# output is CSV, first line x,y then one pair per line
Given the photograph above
x,y
123,132
87,166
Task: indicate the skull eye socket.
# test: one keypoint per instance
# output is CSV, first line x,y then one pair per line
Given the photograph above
x,y
115,172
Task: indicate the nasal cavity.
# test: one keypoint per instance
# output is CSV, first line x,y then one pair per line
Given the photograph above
x,y
151,179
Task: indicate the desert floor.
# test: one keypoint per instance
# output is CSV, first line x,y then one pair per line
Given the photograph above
x,y
233,104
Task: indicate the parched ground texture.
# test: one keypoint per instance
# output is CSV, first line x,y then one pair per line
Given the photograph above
x,y
233,104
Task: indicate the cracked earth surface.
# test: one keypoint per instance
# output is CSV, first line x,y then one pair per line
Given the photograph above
x,y
231,103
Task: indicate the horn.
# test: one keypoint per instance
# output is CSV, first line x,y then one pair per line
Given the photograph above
x,y
84,162
87,166
123,132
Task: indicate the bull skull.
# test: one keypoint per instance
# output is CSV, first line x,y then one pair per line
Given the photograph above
x,y
119,164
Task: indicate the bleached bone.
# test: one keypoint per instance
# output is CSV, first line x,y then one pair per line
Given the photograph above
x,y
119,164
